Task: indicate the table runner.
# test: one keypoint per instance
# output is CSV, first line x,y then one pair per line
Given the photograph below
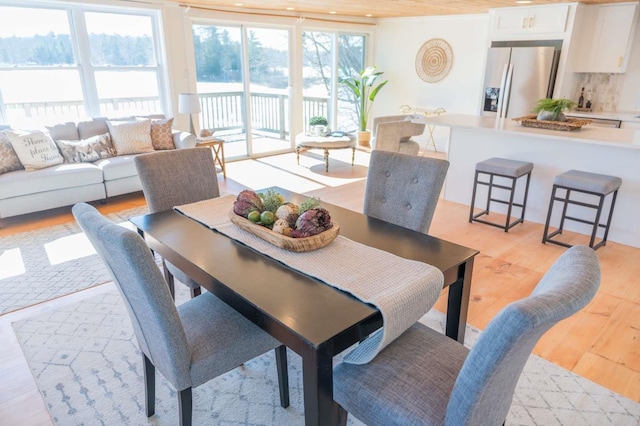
x,y
402,289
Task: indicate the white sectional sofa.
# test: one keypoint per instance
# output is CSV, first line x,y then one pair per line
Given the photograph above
x,y
65,184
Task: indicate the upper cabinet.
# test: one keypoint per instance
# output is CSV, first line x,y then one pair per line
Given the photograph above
x,y
528,22
606,34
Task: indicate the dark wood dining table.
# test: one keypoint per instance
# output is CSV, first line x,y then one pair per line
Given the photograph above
x,y
313,319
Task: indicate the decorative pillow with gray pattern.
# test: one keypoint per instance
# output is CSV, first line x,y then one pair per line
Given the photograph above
x,y
87,150
9,160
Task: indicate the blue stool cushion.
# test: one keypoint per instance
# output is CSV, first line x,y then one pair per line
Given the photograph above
x,y
505,167
585,181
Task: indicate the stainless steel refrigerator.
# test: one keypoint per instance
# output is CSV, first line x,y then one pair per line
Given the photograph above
x,y
516,78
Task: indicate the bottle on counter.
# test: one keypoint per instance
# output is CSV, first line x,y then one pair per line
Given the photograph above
x,y
581,98
588,104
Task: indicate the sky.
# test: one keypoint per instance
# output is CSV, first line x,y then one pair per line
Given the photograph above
x,y
22,22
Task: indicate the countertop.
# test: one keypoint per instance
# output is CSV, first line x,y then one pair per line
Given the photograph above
x,y
623,138
622,116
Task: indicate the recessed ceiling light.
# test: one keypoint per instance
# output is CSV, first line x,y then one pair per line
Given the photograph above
x,y
291,8
333,12
368,15
524,1
238,4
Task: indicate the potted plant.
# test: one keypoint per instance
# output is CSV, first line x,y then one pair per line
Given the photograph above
x,y
552,109
364,89
318,125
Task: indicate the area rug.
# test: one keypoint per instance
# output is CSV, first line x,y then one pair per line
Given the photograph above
x,y
88,368
50,262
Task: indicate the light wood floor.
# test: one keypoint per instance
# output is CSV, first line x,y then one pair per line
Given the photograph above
x,y
600,343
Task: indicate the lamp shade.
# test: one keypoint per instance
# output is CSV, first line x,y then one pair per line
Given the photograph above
x,y
188,103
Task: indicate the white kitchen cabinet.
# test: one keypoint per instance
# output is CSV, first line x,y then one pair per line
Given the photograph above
x,y
608,33
521,21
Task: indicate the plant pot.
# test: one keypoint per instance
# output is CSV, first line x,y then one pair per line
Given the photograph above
x,y
319,130
364,138
548,115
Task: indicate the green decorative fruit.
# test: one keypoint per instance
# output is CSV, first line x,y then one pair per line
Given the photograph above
x,y
267,217
254,216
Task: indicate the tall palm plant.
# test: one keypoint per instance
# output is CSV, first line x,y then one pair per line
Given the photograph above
x,y
364,92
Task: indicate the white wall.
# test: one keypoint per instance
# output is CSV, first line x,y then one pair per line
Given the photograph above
x,y
397,41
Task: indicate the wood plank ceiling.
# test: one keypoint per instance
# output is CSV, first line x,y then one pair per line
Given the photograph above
x,y
370,8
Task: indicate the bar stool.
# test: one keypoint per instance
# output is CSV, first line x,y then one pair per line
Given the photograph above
x,y
585,183
504,168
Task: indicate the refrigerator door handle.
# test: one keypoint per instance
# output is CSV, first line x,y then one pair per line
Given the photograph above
x,y
507,93
503,82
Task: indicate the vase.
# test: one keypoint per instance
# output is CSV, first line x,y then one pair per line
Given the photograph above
x,y
363,138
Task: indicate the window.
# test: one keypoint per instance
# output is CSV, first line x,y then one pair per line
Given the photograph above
x,y
70,63
328,57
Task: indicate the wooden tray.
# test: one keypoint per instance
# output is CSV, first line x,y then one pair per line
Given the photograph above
x,y
292,244
570,124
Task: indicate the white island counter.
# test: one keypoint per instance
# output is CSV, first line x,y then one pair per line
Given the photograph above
x,y
601,150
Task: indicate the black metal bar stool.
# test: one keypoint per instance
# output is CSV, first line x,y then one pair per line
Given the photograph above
x,y
584,183
504,168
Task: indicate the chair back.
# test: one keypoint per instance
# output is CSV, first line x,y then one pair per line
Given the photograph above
x,y
391,135
175,177
155,319
385,119
484,388
404,189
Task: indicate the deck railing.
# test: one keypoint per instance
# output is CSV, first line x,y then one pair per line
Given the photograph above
x,y
220,111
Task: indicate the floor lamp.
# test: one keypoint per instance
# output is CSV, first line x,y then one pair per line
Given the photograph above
x,y
189,103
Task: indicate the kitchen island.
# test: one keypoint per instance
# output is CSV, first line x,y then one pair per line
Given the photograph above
x,y
608,151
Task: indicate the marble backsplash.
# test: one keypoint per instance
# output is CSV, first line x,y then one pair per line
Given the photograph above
x,y
604,90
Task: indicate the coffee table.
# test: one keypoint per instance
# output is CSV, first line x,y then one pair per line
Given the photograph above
x,y
304,142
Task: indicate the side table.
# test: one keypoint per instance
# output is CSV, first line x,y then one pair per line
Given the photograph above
x,y
304,142
217,145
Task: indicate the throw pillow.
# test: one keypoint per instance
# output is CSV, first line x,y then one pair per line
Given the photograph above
x,y
131,137
9,160
86,150
36,150
162,134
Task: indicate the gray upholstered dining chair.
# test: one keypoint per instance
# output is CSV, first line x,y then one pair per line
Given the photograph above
x,y
404,189
217,340
426,378
176,177
393,133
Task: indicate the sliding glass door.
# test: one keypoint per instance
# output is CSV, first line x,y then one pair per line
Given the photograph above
x,y
327,58
243,85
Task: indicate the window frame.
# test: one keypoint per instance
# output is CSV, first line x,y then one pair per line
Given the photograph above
x,y
79,34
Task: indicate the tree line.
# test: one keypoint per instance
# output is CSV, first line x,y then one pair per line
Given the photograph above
x,y
57,49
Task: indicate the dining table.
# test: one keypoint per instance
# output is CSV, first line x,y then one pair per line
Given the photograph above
x,y
311,318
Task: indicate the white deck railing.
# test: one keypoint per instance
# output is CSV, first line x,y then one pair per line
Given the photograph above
x,y
220,111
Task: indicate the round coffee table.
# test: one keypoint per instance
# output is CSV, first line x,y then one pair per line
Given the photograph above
x,y
304,142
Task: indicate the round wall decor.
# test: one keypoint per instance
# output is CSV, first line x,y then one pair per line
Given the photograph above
x,y
434,60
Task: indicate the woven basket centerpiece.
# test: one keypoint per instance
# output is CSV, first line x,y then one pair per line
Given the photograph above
x,y
569,125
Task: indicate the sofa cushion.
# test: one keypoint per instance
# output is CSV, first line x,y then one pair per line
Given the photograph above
x,y
18,183
97,126
86,150
131,137
67,131
118,167
35,149
9,160
162,134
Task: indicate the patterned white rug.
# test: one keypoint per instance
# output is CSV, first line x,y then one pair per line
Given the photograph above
x,y
50,262
87,366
